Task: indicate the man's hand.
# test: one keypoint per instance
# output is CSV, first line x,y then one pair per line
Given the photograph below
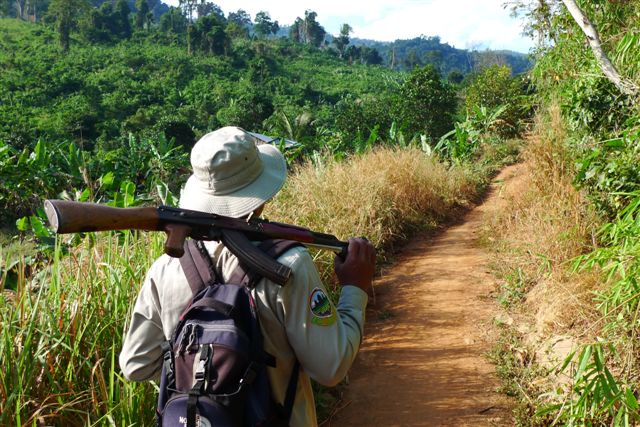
x,y
359,266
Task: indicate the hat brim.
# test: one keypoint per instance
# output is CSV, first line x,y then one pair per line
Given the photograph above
x,y
241,202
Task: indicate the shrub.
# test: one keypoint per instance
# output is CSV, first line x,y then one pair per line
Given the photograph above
x,y
427,103
494,87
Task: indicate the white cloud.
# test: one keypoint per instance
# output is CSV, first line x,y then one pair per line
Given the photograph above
x,y
461,23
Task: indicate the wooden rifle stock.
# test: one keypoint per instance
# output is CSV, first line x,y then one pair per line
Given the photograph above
x,y
77,217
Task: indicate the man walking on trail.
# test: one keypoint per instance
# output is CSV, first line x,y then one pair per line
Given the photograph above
x,y
233,176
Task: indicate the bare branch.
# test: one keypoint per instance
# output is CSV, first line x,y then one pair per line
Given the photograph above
x,y
625,86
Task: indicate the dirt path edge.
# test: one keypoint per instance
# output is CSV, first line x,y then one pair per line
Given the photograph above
x,y
424,361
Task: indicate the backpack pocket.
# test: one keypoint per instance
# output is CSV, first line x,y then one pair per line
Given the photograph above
x,y
207,413
227,359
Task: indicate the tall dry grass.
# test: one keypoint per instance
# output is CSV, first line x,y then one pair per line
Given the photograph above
x,y
545,224
382,195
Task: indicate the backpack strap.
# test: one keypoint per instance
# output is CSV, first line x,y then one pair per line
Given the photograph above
x,y
290,396
197,266
200,271
274,248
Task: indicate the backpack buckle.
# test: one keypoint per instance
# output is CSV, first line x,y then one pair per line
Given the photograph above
x,y
201,371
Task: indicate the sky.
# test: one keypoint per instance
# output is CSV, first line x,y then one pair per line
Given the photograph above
x,y
465,24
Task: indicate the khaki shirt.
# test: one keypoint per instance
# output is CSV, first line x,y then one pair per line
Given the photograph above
x,y
325,343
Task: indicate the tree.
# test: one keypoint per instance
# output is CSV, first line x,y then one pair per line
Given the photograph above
x,y
495,88
241,17
66,14
173,21
539,17
307,30
434,57
122,12
363,55
188,7
95,28
264,26
455,77
296,30
313,32
411,60
20,8
141,14
238,24
206,8
235,31
625,86
209,34
31,9
370,55
5,7
342,40
427,104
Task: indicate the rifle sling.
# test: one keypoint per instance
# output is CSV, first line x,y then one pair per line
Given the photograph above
x,y
253,258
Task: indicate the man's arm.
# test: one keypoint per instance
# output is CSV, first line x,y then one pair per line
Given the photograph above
x,y
141,355
326,340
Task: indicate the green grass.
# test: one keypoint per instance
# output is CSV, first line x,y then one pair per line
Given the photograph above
x,y
61,335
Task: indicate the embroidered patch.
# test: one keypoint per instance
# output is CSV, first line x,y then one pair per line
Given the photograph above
x,y
322,312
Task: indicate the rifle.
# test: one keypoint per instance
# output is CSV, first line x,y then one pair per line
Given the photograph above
x,y
235,233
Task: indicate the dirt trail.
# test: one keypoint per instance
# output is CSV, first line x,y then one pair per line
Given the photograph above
x,y
423,361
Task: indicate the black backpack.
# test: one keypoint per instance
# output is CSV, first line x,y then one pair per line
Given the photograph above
x,y
214,367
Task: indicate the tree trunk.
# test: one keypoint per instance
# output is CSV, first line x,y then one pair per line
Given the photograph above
x,y
625,86
63,32
20,6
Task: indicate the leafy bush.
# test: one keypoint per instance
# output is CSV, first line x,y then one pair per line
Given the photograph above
x,y
593,105
495,87
609,171
29,175
427,103
54,170
356,118
618,258
596,396
465,140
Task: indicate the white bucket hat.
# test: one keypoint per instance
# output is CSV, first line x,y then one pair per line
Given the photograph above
x,y
232,174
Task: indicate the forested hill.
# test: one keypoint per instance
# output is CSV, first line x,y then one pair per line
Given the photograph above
x,y
406,54
92,86
152,82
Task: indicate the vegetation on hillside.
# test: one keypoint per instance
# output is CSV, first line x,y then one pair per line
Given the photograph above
x,y
568,246
88,105
450,61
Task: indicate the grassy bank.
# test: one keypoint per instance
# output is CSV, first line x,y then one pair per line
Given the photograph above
x,y
560,353
62,327
384,195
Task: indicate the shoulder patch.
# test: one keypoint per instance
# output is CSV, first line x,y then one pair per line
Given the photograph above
x,y
322,311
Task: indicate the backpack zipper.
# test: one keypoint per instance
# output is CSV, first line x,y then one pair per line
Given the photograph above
x,y
192,330
222,327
